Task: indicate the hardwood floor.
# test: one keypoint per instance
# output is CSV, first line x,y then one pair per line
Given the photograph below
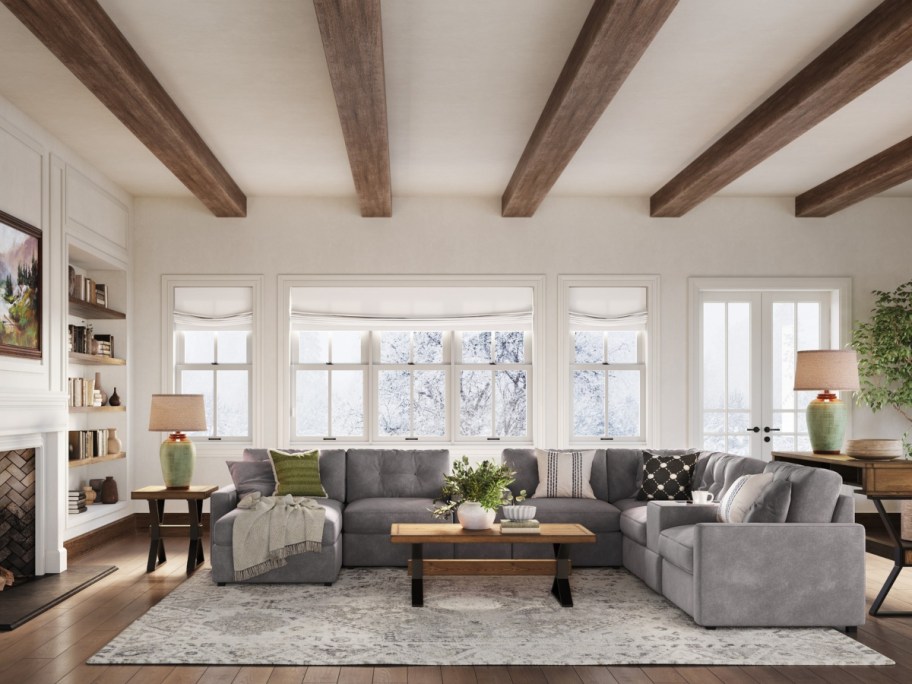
x,y
54,646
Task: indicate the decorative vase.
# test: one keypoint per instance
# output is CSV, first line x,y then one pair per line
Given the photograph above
x,y
473,517
115,446
95,484
178,458
109,490
516,512
90,494
114,399
826,421
104,395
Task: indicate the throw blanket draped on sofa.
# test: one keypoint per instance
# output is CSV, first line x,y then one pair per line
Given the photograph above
x,y
268,529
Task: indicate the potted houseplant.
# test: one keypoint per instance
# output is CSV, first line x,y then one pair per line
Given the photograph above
x,y
884,348
474,492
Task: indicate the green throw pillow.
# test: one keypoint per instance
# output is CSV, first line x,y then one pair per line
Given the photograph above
x,y
297,474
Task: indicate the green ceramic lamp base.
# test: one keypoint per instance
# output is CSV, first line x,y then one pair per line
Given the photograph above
x,y
826,421
178,458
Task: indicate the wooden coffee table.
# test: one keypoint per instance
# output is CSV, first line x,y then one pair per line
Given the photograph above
x,y
560,535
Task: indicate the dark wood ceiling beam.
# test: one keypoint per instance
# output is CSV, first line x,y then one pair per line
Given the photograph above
x,y
881,172
87,41
353,44
614,37
870,51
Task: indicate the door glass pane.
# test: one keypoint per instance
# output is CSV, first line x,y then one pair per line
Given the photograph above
x,y
475,403
395,347
200,382
623,403
588,347
714,355
346,346
312,402
739,355
783,355
713,422
393,402
428,347
739,422
588,403
233,402
347,402
232,346
430,403
622,346
199,346
508,347
313,347
476,347
808,326
510,404
739,444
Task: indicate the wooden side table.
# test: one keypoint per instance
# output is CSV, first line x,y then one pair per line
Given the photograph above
x,y
156,495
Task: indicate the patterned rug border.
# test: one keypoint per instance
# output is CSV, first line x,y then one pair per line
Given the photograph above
x,y
617,620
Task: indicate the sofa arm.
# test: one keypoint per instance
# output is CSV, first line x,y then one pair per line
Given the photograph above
x,y
661,515
223,501
779,574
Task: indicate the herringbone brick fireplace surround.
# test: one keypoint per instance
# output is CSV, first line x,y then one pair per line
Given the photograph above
x,y
17,511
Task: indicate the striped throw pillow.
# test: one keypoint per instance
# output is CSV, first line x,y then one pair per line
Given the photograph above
x,y
564,474
297,474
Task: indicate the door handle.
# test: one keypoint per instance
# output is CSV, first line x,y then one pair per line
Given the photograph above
x,y
769,429
754,429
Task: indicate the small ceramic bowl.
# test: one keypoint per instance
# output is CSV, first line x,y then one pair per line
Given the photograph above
x,y
519,512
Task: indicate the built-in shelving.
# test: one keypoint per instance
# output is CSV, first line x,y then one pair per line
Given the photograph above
x,y
97,409
81,463
95,511
79,307
95,360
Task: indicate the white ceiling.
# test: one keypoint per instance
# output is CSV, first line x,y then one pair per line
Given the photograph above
x,y
466,82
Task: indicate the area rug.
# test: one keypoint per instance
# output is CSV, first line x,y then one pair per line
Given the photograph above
x,y
366,618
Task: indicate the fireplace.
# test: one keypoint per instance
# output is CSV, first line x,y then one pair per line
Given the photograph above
x,y
17,512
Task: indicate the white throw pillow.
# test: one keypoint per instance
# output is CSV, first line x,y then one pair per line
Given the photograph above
x,y
741,496
564,474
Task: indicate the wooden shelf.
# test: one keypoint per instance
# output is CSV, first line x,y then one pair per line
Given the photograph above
x,y
89,310
97,409
95,360
100,459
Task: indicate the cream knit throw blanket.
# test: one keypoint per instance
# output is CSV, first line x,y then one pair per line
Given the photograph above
x,y
270,528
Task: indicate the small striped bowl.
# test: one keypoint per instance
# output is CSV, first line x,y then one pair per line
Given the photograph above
x,y
519,512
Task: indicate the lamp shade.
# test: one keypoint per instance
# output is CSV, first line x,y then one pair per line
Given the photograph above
x,y
826,369
177,413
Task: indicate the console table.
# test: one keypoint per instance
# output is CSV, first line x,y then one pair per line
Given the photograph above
x,y
879,481
156,495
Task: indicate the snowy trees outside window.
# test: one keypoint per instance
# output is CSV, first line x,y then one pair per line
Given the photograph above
x,y
493,385
607,379
216,364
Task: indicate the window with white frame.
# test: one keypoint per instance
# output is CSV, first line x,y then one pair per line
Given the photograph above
x,y
607,356
425,374
213,355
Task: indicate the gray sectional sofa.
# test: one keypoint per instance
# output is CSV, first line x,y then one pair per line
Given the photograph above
x,y
807,570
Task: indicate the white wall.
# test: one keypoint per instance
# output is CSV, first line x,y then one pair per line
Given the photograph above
x,y
870,243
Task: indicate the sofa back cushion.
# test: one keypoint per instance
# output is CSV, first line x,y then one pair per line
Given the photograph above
x,y
625,470
380,473
524,463
717,471
814,491
332,468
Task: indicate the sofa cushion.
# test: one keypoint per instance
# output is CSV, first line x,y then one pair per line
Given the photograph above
x,y
624,504
382,473
297,474
332,527
375,516
676,546
633,523
525,465
252,476
721,470
814,491
595,514
741,496
564,474
666,478
332,468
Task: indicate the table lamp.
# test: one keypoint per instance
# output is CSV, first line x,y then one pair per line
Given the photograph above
x,y
825,370
177,413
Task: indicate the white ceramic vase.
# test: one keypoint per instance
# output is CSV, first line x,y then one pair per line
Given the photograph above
x,y
473,517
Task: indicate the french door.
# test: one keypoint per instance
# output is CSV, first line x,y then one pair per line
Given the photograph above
x,y
745,368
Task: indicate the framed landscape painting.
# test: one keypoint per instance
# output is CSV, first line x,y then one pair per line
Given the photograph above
x,y
20,288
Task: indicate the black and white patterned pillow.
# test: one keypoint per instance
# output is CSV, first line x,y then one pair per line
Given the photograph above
x,y
667,478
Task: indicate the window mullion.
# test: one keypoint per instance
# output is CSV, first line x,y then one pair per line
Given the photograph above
x,y
214,403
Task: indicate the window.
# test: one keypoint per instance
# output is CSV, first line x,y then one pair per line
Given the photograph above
x,y
609,357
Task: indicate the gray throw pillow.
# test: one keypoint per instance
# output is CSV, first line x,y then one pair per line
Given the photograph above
x,y
772,506
252,476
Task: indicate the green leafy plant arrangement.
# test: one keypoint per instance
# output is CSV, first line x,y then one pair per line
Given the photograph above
x,y
484,483
884,347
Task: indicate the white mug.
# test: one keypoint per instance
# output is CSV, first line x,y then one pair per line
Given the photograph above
x,y
702,497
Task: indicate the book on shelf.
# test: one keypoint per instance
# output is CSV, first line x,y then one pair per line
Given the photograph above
x,y
520,527
86,444
77,509
101,294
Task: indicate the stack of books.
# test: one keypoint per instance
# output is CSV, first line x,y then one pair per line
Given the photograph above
x,y
76,502
520,527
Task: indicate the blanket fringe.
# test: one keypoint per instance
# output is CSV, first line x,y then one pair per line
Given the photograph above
x,y
278,560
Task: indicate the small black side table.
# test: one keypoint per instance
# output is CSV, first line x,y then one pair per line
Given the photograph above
x,y
156,495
